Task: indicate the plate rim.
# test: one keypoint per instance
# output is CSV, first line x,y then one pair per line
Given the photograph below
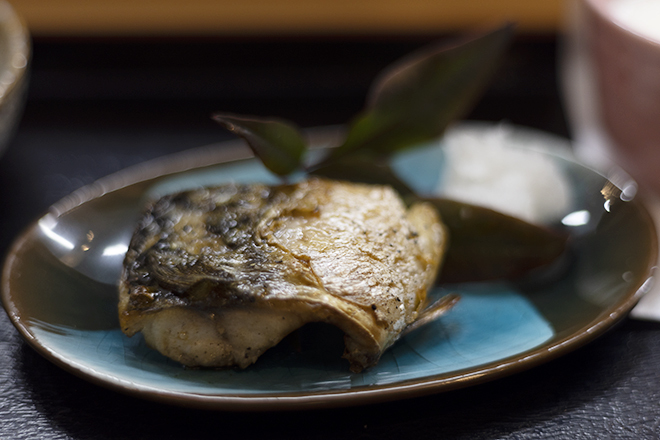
x,y
234,150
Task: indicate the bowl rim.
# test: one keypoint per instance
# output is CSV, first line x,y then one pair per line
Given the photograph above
x,y
19,45
602,10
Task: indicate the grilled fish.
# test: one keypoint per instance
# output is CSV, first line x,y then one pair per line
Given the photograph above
x,y
216,276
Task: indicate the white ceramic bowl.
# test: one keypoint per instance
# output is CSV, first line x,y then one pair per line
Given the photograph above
x,y
15,51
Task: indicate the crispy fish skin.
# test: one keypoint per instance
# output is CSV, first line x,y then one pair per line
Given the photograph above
x,y
214,277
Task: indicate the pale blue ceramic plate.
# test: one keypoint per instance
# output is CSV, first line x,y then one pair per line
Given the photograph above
x,y
59,289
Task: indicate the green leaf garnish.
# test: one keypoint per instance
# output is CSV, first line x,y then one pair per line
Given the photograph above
x,y
415,99
487,245
413,102
279,144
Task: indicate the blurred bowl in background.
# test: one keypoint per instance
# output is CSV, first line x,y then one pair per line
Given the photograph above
x,y
612,85
15,52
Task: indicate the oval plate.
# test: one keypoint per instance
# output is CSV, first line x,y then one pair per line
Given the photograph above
x,y
59,289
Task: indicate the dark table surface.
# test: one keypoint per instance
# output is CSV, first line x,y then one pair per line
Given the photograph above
x,y
96,107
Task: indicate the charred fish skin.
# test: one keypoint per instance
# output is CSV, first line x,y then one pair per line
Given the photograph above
x,y
215,276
